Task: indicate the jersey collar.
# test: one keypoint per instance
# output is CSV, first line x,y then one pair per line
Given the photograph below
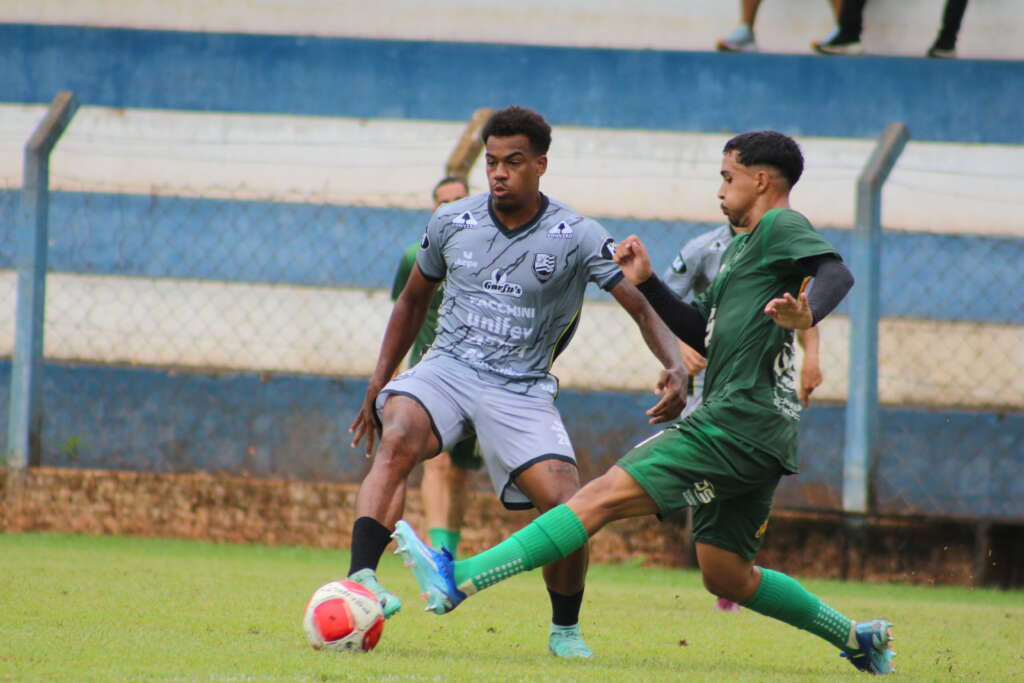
x,y
526,227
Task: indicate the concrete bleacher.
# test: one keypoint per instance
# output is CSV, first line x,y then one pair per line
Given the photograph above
x,y
237,113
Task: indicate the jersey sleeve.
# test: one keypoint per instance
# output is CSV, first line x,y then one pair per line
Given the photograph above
x,y
791,237
404,270
430,257
598,249
680,276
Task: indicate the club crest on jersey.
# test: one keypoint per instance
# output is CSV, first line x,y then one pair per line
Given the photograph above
x,y
679,265
499,284
464,220
425,242
608,249
562,231
544,266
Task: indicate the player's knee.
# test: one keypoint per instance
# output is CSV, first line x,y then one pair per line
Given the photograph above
x,y
729,583
397,450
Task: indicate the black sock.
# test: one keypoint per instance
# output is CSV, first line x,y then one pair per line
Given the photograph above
x,y
369,538
565,609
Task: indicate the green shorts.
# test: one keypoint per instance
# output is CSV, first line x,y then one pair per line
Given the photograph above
x,y
729,484
465,455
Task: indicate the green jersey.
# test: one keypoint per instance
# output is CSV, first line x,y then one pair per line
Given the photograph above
x,y
750,388
425,337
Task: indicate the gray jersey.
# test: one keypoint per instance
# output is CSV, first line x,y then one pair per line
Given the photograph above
x,y
512,298
692,270
697,263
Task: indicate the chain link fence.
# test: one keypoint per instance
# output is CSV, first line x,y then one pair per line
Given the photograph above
x,y
172,314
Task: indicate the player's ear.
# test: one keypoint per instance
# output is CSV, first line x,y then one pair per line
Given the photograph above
x,y
762,180
542,164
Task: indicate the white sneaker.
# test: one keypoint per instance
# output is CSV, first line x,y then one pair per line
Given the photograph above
x,y
740,39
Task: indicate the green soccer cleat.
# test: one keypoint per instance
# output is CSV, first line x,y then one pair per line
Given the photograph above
x,y
875,652
567,642
388,600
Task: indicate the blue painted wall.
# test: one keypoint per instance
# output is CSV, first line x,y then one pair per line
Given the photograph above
x,y
305,244
965,100
148,420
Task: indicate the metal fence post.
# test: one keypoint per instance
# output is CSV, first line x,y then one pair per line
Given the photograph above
x,y
862,405
25,417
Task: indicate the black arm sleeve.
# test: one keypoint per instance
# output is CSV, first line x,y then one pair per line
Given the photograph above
x,y
684,320
832,280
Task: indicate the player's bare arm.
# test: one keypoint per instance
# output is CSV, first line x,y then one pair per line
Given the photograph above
x,y
406,319
671,386
810,372
682,319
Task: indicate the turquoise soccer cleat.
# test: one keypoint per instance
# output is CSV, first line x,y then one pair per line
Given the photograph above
x,y
567,642
434,570
388,600
875,652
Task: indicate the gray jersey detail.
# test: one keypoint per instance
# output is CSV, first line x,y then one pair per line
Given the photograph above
x,y
512,298
697,263
692,270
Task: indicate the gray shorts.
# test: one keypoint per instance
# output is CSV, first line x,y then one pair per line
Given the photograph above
x,y
514,430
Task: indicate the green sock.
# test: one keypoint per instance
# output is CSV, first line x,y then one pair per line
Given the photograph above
x,y
783,598
554,535
445,537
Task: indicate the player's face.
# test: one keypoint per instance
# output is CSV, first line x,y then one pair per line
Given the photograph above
x,y
738,191
449,192
513,172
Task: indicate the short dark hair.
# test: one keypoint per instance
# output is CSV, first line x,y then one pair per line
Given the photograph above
x,y
516,120
449,179
769,148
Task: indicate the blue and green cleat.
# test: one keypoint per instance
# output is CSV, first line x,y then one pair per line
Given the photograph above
x,y
388,600
567,642
875,652
434,570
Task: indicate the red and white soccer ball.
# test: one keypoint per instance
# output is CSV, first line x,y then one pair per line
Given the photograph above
x,y
343,616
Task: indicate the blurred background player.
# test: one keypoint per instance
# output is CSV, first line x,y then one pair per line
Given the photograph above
x,y
741,39
445,476
692,270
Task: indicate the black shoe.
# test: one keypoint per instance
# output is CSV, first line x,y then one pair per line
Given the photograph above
x,y
938,52
838,45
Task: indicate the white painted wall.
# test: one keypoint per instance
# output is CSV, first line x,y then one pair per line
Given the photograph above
x,y
936,187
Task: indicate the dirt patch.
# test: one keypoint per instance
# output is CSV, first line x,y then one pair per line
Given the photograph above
x,y
236,509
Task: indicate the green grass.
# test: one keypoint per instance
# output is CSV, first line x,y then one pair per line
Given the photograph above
x,y
111,608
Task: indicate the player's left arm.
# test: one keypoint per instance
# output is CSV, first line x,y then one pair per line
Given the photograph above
x,y
832,280
671,385
810,372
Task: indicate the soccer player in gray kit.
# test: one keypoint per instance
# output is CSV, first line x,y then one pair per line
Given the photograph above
x,y
515,264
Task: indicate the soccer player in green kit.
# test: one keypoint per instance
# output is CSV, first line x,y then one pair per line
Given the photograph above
x,y
726,459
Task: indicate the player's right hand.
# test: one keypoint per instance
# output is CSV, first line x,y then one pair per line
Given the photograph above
x,y
365,423
633,259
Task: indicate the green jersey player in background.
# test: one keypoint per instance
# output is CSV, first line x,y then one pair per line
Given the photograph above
x,y
727,458
444,487
515,265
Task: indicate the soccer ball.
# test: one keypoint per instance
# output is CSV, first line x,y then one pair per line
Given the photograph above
x,y
343,616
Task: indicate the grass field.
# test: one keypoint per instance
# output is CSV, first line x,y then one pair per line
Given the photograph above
x,y
110,608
